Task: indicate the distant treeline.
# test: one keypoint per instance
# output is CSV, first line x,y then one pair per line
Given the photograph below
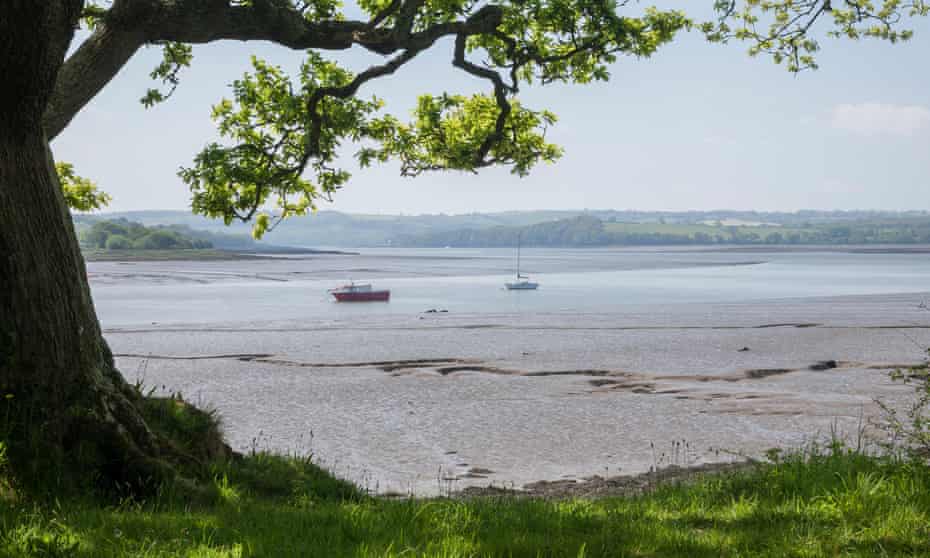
x,y
124,234
627,227
590,231
121,234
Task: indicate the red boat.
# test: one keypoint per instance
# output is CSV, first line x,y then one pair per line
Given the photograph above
x,y
359,293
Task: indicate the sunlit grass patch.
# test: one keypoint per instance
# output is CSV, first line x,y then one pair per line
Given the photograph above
x,y
839,503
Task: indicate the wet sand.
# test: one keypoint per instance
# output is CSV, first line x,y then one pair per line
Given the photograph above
x,y
424,403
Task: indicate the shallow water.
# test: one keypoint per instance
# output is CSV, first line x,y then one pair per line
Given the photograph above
x,y
617,357
473,281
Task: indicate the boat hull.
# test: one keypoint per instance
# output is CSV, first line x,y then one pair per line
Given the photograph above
x,y
522,286
365,296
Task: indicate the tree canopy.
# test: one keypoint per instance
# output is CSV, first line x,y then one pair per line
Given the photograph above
x,y
784,29
281,135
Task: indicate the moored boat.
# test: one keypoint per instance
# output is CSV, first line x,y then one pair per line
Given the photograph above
x,y
523,282
360,293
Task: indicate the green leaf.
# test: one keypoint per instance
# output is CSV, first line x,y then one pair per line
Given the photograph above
x,y
81,194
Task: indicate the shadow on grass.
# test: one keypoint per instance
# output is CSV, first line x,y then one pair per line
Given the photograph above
x,y
282,507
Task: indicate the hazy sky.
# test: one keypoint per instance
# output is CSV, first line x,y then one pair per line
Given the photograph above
x,y
697,126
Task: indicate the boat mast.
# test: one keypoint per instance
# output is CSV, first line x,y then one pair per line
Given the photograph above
x,y
518,256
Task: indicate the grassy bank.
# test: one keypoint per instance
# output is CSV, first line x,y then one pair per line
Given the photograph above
x,y
842,504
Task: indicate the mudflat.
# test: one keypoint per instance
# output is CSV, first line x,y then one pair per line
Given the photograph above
x,y
404,400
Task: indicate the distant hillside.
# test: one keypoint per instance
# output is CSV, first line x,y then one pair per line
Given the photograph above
x,y
577,231
335,229
557,228
589,231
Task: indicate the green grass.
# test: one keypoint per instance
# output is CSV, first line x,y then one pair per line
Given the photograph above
x,y
843,504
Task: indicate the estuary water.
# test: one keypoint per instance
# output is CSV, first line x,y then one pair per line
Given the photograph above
x,y
473,281
620,356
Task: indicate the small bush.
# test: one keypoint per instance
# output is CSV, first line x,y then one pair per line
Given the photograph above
x,y
118,242
910,428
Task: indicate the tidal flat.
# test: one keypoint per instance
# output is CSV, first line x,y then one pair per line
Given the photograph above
x,y
623,361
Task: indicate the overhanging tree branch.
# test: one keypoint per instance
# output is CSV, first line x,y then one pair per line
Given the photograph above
x,y
501,91
569,40
130,24
92,66
317,119
784,29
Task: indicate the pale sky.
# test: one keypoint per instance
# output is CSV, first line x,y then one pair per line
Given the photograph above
x,y
697,126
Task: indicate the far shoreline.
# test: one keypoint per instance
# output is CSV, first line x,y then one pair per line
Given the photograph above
x,y
839,248
697,248
204,254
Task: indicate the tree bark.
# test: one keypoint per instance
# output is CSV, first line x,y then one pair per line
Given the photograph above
x,y
88,71
68,415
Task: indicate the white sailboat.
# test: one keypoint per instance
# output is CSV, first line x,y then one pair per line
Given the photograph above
x,y
522,282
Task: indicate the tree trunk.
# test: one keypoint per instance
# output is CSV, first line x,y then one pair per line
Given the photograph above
x,y
66,413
